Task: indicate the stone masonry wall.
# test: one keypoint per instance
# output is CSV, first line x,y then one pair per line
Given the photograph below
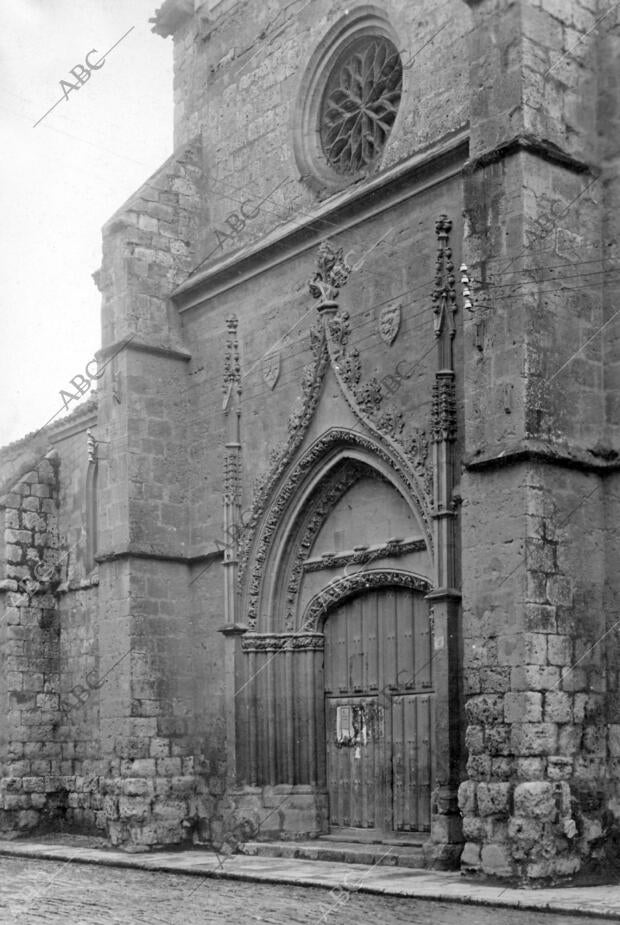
x,y
237,83
539,509
31,790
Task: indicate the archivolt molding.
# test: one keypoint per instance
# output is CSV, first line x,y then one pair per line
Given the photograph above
x,y
334,438
282,454
330,492
341,589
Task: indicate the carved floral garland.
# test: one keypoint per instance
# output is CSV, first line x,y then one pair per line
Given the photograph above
x,y
343,588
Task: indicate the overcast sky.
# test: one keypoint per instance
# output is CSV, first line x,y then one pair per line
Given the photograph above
x,y
63,179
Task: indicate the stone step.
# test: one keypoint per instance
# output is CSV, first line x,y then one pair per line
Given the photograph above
x,y
384,855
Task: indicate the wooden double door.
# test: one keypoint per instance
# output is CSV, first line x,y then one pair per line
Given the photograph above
x,y
379,714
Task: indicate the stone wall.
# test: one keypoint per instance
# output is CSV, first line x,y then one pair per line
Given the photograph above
x,y
30,788
539,511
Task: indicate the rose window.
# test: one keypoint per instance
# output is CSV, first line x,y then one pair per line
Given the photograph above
x,y
360,103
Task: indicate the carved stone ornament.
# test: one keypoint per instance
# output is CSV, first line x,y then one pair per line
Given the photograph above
x,y
390,550
232,364
329,493
281,455
331,275
389,323
281,642
271,368
443,411
444,294
366,402
348,586
360,104
262,540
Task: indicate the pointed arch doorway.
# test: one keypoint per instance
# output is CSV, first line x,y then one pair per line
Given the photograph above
x,y
379,714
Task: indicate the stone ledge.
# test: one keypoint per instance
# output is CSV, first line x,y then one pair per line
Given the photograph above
x,y
529,450
530,144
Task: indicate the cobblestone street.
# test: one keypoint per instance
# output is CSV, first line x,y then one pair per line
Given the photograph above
x,y
42,892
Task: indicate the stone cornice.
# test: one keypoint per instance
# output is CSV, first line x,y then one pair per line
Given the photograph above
x,y
173,353
344,210
531,145
601,460
78,424
158,557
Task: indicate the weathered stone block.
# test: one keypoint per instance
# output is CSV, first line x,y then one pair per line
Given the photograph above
x,y
535,678
559,767
473,828
559,650
534,739
559,591
540,617
467,798
493,799
496,861
614,739
594,740
479,767
171,810
470,859
523,707
502,768
574,679
535,799
558,707
485,709
569,739
495,680
474,739
497,740
136,786
134,807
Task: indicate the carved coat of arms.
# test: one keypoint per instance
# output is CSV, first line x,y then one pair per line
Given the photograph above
x,y
271,369
389,323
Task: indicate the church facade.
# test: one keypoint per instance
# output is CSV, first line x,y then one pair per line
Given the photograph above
x,y
333,548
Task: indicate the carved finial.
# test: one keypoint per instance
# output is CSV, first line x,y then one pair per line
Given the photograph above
x,y
232,365
332,274
92,446
444,294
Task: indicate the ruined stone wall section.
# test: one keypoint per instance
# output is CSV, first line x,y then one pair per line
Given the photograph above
x,y
31,789
540,679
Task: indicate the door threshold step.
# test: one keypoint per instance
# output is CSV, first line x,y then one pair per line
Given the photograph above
x,y
339,852
415,839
